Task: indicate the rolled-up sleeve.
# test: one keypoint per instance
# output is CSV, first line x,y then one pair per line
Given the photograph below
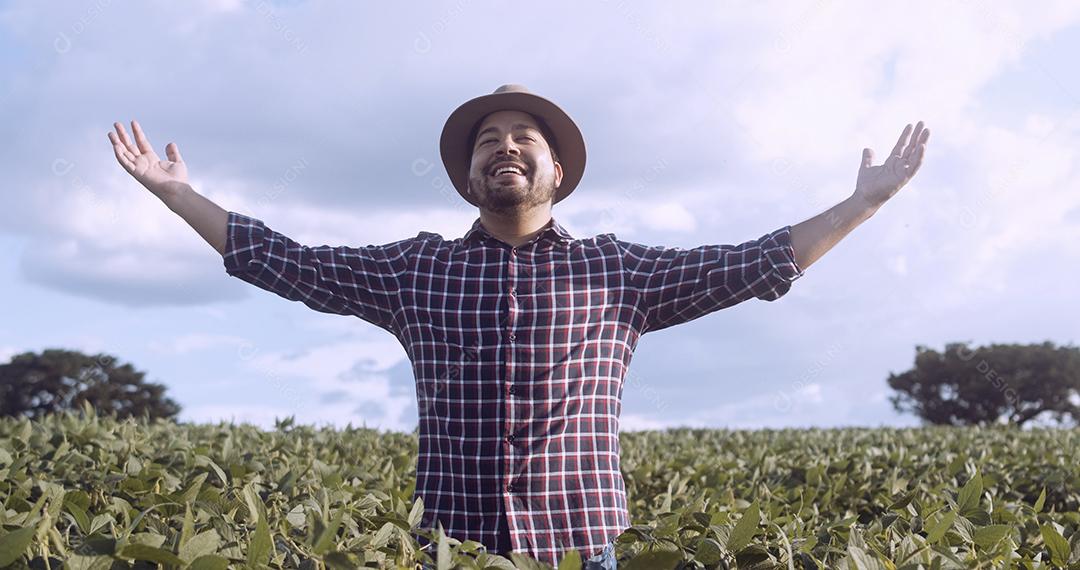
x,y
677,285
342,280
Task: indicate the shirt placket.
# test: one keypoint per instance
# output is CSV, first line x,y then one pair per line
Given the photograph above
x,y
512,400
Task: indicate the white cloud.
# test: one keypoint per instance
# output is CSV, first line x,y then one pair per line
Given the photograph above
x,y
670,216
822,403
354,371
763,128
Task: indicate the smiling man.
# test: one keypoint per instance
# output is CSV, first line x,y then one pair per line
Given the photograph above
x,y
520,334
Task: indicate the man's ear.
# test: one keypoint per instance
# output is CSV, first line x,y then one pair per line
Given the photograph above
x,y
558,174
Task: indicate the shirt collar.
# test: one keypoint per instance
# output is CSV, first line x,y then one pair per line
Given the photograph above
x,y
553,229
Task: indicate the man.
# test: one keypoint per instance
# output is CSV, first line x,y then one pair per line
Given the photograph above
x,y
519,334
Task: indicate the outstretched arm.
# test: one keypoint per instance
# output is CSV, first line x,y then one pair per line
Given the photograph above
x,y
875,185
359,281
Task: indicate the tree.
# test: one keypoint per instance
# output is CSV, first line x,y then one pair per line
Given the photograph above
x,y
1000,383
35,384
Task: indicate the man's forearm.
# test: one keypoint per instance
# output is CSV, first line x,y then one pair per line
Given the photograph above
x,y
208,219
812,238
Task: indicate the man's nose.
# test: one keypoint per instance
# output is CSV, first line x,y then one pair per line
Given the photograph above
x,y
506,145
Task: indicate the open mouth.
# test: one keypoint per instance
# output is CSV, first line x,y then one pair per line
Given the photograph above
x,y
507,171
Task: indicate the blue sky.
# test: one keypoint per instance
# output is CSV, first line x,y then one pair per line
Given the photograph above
x,y
705,124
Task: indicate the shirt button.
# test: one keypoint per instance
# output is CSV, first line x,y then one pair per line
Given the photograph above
x,y
513,291
510,439
512,390
512,337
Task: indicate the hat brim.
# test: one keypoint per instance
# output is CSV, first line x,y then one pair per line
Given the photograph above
x,y
457,156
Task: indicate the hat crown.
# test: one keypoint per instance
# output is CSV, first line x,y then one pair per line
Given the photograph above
x,y
512,88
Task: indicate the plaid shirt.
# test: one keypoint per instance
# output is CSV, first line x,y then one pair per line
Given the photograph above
x,y
519,355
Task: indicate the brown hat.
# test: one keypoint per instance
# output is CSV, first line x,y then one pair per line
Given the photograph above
x,y
459,127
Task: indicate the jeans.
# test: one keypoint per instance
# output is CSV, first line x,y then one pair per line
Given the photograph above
x,y
603,561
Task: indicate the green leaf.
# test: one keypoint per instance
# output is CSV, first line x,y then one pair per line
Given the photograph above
x,y
101,521
150,553
988,536
709,552
15,543
259,550
205,542
98,544
745,529
977,516
955,466
296,516
1058,546
570,561
252,501
325,541
1040,501
939,529
26,428
148,538
383,536
187,528
209,562
442,556
203,460
969,494
82,520
902,501
417,512
93,562
192,492
862,559
285,484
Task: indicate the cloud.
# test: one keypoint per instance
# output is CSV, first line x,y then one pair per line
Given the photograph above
x,y
323,121
783,103
354,380
825,404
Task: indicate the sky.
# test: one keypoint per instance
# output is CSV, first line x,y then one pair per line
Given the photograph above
x,y
710,123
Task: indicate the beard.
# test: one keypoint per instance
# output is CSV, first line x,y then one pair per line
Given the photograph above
x,y
512,197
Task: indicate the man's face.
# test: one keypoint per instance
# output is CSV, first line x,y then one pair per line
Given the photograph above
x,y
512,138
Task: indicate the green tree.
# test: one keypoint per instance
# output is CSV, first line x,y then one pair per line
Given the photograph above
x,y
1000,383
35,384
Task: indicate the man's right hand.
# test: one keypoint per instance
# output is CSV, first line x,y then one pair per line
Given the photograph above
x,y
164,178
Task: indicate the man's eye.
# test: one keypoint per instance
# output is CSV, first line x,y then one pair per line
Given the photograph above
x,y
485,141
